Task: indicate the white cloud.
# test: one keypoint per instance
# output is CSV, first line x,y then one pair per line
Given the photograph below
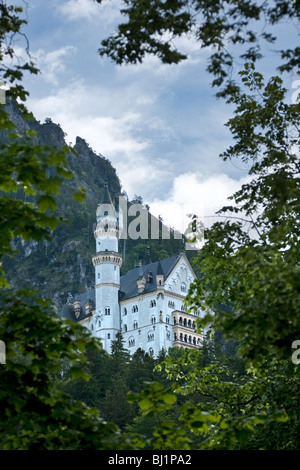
x,y
108,122
142,176
79,9
90,10
192,193
108,119
124,124
86,112
51,64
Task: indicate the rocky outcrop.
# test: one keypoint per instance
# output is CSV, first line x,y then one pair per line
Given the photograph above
x,y
63,264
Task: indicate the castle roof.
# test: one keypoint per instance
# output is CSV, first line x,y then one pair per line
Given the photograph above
x,y
68,310
129,286
128,289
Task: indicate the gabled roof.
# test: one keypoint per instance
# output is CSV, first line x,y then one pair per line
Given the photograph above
x,y
129,286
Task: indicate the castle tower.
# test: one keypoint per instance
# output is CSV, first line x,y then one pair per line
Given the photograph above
x,y
107,262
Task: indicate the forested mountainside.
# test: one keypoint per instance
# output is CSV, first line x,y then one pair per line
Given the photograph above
x,y
64,264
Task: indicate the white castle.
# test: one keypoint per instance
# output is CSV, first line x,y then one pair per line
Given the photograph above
x,y
145,304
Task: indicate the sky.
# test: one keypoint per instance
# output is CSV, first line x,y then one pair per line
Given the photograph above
x,y
161,126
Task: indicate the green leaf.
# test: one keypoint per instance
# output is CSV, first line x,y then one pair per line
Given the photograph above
x,y
46,202
169,399
145,404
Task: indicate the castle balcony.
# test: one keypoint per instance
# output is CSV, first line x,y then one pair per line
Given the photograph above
x,y
184,319
107,257
187,344
184,330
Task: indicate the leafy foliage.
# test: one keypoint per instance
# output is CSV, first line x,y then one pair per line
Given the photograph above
x,y
204,399
34,413
153,26
222,404
252,263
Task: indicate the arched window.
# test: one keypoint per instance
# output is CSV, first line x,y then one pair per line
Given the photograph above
x,y
125,327
107,311
167,319
131,342
135,325
151,351
150,336
125,311
153,320
183,287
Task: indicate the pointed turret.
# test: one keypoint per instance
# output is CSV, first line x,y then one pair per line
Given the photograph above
x,y
106,197
159,271
159,275
107,223
148,255
182,251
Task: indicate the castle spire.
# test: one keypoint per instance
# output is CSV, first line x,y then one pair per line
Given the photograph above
x,y
148,255
182,251
106,198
